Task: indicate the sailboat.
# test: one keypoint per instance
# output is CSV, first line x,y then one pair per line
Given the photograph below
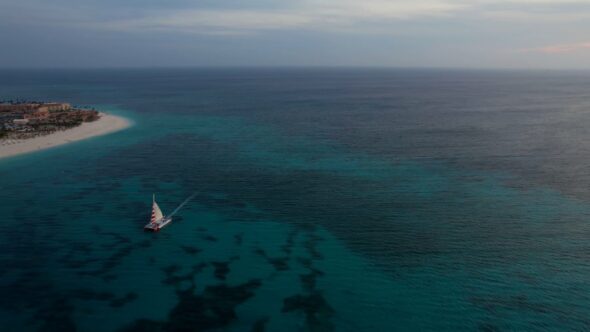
x,y
158,220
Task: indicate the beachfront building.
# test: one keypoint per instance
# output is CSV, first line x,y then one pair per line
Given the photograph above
x,y
18,107
20,121
55,107
40,113
24,107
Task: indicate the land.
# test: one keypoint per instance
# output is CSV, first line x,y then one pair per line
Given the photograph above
x,y
22,120
31,126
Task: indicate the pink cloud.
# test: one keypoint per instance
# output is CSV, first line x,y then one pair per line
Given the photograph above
x,y
560,48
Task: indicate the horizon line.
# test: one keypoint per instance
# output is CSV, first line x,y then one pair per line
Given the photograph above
x,y
366,67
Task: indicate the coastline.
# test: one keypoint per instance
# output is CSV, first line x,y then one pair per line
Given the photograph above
x,y
106,124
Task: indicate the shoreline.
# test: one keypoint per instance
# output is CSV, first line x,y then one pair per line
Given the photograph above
x,y
105,125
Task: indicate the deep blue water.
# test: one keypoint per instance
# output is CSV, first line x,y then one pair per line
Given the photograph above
x,y
326,200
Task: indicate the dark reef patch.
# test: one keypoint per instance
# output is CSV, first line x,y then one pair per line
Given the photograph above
x,y
115,259
305,262
122,247
121,301
190,250
238,239
118,238
144,325
260,325
144,244
485,327
279,263
170,269
308,281
109,277
316,309
209,238
91,295
221,269
72,263
173,279
56,316
212,310
26,291
288,246
311,246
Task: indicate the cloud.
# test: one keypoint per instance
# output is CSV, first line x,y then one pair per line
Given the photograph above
x,y
559,49
359,32
309,14
212,21
230,17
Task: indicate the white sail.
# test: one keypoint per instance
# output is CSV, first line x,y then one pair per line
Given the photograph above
x,y
156,212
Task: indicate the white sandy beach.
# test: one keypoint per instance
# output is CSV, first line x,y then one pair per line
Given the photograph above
x,y
106,124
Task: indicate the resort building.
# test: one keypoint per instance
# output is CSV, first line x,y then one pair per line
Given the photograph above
x,y
18,107
20,121
53,107
41,113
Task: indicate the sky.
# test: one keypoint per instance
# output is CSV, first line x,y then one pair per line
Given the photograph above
x,y
552,34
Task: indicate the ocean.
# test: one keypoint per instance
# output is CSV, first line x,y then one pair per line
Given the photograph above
x,y
325,200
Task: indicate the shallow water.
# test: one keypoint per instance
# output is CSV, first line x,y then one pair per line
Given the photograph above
x,y
325,200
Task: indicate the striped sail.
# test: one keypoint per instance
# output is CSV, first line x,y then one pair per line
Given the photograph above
x,y
156,212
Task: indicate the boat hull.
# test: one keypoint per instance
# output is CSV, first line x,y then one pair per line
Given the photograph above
x,y
157,225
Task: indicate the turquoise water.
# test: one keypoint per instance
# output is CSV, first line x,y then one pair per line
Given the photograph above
x,y
325,201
